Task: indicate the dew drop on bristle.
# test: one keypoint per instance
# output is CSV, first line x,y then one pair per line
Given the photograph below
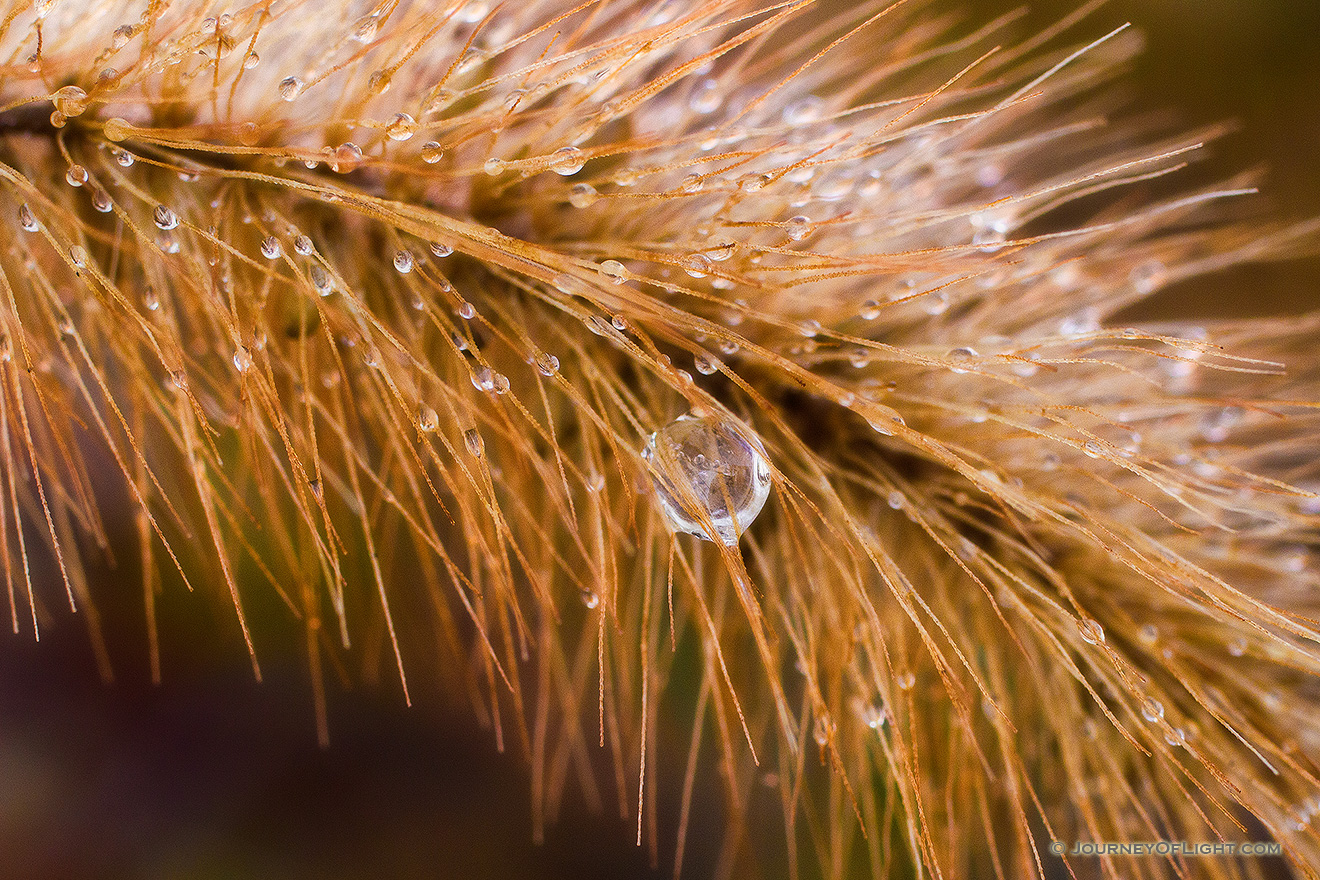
x,y
798,227
303,245
614,271
403,261
432,152
291,87
1091,631
401,128
704,465
546,363
583,195
242,359
26,219
164,218
567,161
472,440
427,419
76,176
441,250
270,248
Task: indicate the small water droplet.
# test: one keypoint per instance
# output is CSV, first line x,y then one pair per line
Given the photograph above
x,y
303,245
401,128
432,152
427,418
403,261
706,97
164,217
1152,709
70,101
696,265
874,715
590,599
1091,631
78,255
101,201
583,195
441,250
472,440
704,465
896,500
26,219
546,363
365,29
242,359
270,248
567,161
1237,647
466,310
870,310
798,227
614,271
346,158
76,175
151,299
494,167
906,681
291,87
803,111
251,60
705,364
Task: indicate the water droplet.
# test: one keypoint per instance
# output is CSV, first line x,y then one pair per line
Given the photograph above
x,y
1176,737
494,167
403,261
76,176
151,299
798,227
1152,709
614,271
692,183
347,157
119,39
270,248
291,87
70,101
703,465
590,599
441,250
401,127
705,364
466,310
432,152
242,359
472,440
1091,631
870,310
320,279
906,681
164,217
567,161
583,195
427,418
1237,647
6,349
706,97
546,363
809,328
896,500
366,28
101,201
303,245
874,715
696,265
1147,277
961,355
251,60
78,255
803,111
26,219
1149,634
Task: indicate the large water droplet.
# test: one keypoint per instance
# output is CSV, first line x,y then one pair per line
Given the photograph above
x,y
706,468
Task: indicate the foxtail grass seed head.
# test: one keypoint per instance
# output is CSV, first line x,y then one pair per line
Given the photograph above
x,y
947,558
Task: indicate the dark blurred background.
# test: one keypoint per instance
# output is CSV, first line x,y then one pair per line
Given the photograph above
x,y
213,775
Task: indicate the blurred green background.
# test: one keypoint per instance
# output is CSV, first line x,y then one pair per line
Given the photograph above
x,y
212,775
